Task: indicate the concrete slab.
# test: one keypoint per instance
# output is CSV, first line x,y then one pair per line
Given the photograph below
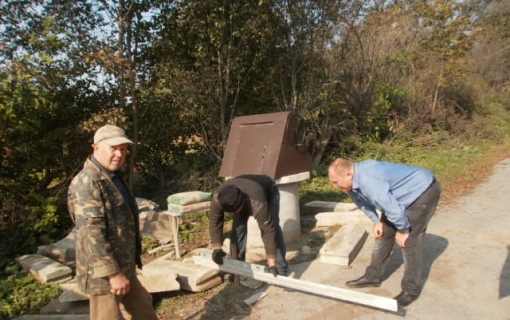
x,y
70,295
321,206
328,219
62,250
160,283
343,247
153,284
74,308
191,277
45,269
70,292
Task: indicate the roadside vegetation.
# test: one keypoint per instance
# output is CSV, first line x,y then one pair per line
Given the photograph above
x,y
425,83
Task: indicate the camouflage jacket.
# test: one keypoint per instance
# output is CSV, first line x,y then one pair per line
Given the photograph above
x,y
107,230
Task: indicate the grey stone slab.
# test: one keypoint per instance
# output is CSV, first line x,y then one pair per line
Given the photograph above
x,y
328,219
153,284
45,269
70,292
343,247
57,307
69,295
160,283
191,277
321,206
62,250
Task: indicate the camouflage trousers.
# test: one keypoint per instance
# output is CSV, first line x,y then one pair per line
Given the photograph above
x,y
135,305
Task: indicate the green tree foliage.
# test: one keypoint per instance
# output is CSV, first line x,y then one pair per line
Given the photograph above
x,y
47,88
402,66
211,52
298,73
490,57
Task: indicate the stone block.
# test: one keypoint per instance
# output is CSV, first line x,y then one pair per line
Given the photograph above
x,y
160,283
328,219
153,284
191,277
72,309
70,292
322,206
343,247
45,269
62,250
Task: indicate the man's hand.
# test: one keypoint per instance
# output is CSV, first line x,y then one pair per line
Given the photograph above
x,y
218,255
377,230
119,284
272,270
401,238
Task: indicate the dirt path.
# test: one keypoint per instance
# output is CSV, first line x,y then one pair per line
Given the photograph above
x,y
466,276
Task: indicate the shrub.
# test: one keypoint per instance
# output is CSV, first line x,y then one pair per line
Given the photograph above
x,y
22,294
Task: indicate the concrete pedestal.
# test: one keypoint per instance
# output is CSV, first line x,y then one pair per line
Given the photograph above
x,y
289,211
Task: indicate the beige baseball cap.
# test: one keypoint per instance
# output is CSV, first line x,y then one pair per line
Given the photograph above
x,y
112,135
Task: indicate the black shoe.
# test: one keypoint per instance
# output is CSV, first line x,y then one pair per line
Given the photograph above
x,y
282,272
363,282
404,299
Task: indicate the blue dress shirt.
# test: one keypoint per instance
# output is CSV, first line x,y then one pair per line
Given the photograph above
x,y
389,188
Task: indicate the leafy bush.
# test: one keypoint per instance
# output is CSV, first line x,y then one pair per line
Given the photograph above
x,y
22,294
148,244
194,222
39,224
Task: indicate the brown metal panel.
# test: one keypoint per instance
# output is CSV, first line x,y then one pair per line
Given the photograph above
x,y
293,156
263,144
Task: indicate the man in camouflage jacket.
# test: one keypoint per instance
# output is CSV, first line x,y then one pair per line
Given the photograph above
x,y
108,244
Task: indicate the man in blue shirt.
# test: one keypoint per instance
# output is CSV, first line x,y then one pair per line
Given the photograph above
x,y
407,198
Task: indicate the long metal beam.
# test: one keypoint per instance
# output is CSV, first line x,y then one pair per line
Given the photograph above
x,y
257,272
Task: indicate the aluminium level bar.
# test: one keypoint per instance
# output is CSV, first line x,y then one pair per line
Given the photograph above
x,y
257,272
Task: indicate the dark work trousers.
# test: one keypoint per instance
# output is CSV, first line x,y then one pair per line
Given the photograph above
x,y
240,233
419,213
